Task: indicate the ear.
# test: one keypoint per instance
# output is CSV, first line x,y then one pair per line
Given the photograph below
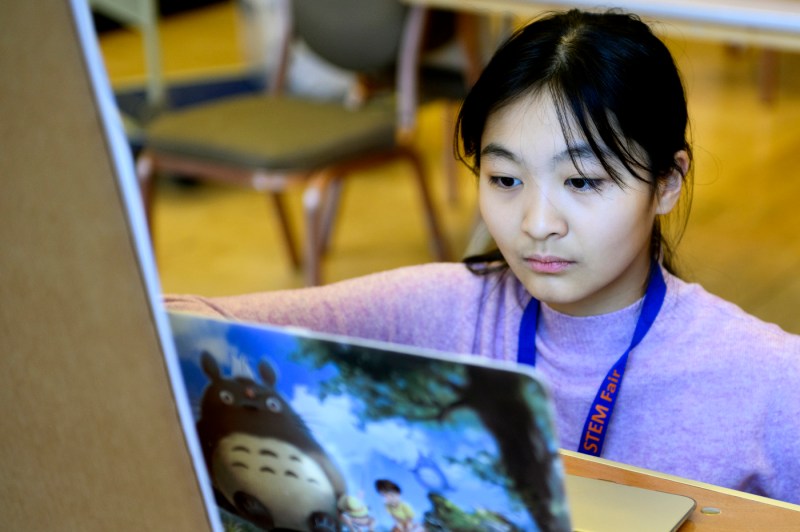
x,y
267,372
669,189
210,366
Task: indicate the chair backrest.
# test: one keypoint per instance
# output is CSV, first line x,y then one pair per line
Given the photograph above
x,y
357,35
364,36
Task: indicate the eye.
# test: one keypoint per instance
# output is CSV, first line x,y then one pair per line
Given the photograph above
x,y
273,404
583,183
226,397
504,182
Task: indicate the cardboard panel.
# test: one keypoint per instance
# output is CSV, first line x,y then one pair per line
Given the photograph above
x,y
90,437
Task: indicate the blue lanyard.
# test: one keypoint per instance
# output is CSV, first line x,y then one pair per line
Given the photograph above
x,y
599,417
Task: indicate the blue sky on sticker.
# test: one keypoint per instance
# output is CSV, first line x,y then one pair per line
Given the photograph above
x,y
256,344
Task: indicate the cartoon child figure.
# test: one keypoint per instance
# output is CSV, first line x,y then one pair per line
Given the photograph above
x,y
355,514
400,511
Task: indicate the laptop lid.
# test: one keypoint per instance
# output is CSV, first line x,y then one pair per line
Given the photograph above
x,y
302,431
91,433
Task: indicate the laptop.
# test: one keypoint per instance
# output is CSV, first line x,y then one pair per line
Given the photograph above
x,y
100,428
302,430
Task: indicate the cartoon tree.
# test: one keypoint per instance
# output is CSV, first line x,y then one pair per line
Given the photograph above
x,y
429,390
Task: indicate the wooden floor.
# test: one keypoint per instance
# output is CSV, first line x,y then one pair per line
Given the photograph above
x,y
741,243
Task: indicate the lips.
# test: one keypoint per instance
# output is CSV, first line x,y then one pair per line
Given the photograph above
x,y
548,264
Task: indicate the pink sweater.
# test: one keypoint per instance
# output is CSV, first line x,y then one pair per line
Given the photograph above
x,y
711,393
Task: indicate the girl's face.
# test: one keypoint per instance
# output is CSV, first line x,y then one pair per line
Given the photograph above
x,y
392,498
581,245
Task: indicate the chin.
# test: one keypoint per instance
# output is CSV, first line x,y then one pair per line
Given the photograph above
x,y
550,296
566,300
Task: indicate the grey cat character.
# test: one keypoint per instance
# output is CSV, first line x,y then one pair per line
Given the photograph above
x,y
265,464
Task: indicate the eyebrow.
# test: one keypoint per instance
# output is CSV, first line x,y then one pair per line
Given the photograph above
x,y
577,152
495,150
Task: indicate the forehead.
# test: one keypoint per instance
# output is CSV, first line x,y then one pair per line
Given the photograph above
x,y
530,128
534,108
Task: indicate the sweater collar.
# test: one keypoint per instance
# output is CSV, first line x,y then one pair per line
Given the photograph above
x,y
587,337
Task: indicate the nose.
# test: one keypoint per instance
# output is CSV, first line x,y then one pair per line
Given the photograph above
x,y
544,217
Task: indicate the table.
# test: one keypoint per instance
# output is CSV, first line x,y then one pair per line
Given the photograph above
x,y
764,22
768,24
738,510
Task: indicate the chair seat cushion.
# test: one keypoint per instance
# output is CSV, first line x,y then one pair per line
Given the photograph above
x,y
273,133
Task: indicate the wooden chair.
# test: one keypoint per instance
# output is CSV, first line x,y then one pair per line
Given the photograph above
x,y
272,141
449,83
142,15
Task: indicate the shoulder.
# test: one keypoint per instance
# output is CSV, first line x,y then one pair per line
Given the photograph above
x,y
430,290
446,279
693,312
432,287
437,276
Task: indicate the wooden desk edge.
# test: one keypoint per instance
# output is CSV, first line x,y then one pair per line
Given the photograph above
x,y
737,507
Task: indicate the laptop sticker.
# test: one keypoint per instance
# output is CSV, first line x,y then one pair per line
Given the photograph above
x,y
311,432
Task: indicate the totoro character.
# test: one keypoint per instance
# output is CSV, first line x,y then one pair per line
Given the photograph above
x,y
264,463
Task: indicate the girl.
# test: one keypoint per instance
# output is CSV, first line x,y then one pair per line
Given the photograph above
x,y
576,131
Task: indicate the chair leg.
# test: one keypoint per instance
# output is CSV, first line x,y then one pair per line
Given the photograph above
x,y
330,205
768,66
448,161
438,242
286,228
313,203
145,172
469,31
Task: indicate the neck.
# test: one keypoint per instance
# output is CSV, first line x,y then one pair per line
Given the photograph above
x,y
584,309
626,290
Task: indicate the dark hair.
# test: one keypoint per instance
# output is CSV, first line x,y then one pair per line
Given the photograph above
x,y
386,486
610,76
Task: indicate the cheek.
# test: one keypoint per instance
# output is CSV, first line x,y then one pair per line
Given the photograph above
x,y
485,205
620,232
484,194
498,218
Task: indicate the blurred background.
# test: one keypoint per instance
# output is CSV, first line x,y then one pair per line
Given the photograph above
x,y
742,238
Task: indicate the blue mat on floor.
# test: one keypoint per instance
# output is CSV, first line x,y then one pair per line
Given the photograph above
x,y
133,101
